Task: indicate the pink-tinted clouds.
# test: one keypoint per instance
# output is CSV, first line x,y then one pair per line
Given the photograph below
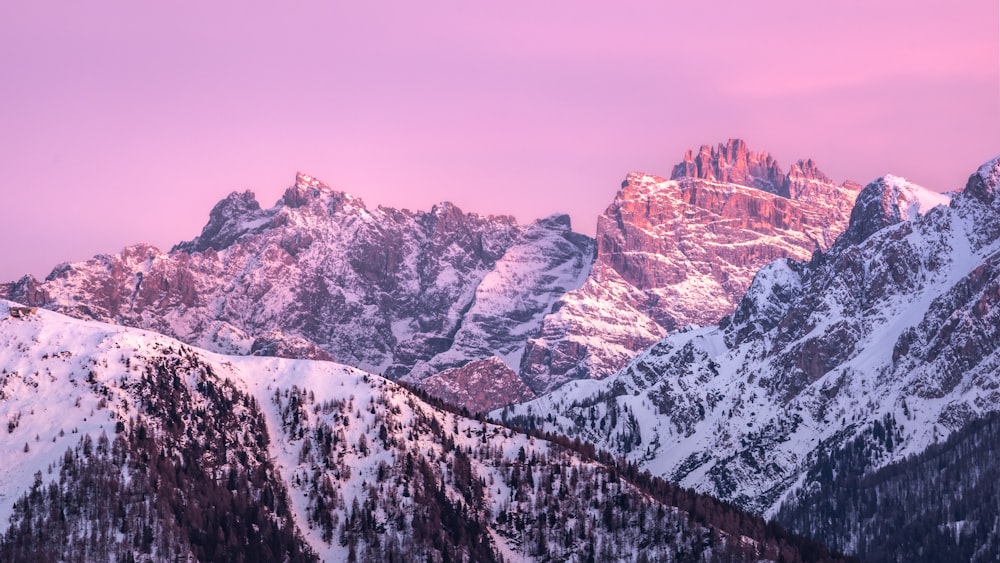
x,y
121,122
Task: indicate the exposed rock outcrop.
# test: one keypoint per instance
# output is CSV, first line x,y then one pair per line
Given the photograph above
x,y
683,251
479,386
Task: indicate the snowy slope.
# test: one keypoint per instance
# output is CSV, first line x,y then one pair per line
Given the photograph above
x,y
345,462
546,261
895,327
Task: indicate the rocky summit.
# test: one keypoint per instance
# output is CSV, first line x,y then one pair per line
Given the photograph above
x,y
672,253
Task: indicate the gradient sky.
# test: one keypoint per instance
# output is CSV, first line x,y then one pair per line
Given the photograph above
x,y
123,123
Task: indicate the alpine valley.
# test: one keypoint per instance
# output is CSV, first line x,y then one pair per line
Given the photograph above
x,y
324,380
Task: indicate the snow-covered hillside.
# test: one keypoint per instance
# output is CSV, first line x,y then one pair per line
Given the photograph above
x,y
893,336
123,443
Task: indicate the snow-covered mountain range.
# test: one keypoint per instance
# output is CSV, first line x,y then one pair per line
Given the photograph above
x,y
762,336
319,275
126,445
411,295
890,338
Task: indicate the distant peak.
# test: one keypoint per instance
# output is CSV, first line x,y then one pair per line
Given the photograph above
x,y
445,208
224,222
306,181
732,162
806,182
985,183
807,169
240,202
557,220
308,188
910,200
886,201
443,217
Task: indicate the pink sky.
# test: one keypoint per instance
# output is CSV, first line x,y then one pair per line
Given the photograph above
x,y
123,123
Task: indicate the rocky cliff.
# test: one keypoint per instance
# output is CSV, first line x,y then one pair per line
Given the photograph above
x,y
479,386
683,251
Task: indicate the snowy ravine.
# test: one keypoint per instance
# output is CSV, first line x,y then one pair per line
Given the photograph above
x,y
891,339
143,447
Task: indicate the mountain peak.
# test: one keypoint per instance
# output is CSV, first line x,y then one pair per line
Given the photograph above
x,y
804,180
224,222
732,162
886,201
985,182
446,209
807,169
557,220
304,181
305,189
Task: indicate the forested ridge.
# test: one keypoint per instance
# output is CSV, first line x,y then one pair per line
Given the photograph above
x,y
942,504
187,475
200,468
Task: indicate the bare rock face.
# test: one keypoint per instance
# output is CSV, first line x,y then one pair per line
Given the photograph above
x,y
806,182
732,163
27,290
279,345
479,386
683,251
